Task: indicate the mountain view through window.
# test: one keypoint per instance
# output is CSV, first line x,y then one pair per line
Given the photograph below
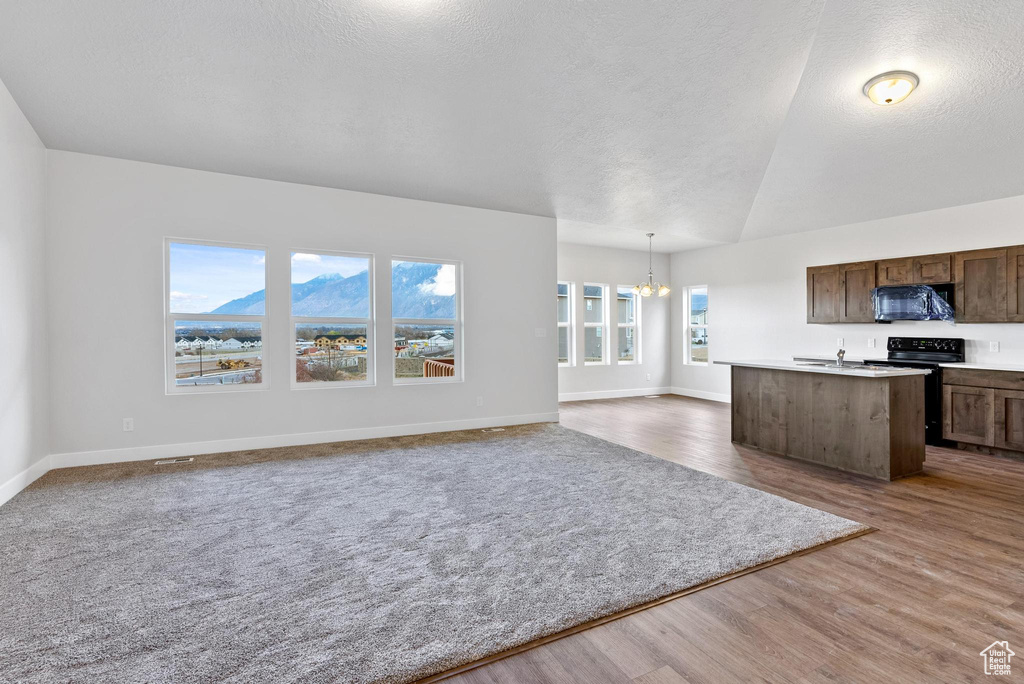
x,y
331,308
211,351
423,308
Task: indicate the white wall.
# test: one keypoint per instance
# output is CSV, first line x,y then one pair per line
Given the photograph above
x,y
757,290
107,222
23,366
612,267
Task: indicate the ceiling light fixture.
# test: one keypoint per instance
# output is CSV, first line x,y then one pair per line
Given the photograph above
x,y
650,287
891,87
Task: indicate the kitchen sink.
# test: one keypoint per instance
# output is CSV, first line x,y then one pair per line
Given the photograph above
x,y
822,364
850,366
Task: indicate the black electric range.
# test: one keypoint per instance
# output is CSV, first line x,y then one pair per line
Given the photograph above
x,y
926,352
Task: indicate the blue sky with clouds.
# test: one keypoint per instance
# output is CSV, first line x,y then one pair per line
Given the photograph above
x,y
204,276
307,266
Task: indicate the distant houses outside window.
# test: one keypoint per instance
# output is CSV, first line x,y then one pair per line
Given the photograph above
x,y
628,307
332,319
566,328
215,314
595,316
697,325
426,320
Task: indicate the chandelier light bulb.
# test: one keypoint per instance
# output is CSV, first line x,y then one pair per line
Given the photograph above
x,y
646,289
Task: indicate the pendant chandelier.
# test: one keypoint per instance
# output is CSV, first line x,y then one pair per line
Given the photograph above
x,y
650,287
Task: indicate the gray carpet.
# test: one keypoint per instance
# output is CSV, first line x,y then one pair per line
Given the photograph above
x,y
376,561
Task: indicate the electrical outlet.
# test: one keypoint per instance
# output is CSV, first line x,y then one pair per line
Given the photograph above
x,y
871,342
648,376
540,332
128,424
839,341
479,401
993,346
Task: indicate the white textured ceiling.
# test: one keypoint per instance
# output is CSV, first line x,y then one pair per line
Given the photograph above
x,y
705,121
958,139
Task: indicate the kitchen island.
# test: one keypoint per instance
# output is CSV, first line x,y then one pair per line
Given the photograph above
x,y
861,419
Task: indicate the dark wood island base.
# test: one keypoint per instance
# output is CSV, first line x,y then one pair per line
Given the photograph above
x,y
868,425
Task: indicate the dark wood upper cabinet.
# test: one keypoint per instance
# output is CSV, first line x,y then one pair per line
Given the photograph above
x,y
1015,284
989,285
856,281
895,272
968,414
823,294
934,268
980,278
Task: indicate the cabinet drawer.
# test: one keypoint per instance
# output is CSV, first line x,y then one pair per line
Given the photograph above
x,y
968,414
1010,380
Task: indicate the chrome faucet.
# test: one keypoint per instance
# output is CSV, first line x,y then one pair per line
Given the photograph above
x,y
840,356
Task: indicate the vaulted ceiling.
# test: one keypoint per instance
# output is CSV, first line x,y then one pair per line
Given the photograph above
x,y
704,121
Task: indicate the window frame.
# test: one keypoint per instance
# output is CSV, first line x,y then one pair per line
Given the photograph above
x,y
603,325
371,332
456,324
637,299
170,386
569,325
690,326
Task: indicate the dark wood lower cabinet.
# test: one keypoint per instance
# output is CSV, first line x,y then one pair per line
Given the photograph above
x,y
984,408
1009,419
871,426
968,414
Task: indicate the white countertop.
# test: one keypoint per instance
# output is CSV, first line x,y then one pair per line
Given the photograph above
x,y
967,366
985,366
850,369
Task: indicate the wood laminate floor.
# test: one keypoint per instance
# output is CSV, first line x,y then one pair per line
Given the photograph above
x,y
916,601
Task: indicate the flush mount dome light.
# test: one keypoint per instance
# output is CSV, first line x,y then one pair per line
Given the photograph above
x,y
891,87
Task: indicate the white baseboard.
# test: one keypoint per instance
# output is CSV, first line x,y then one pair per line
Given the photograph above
x,y
613,394
700,394
146,453
24,479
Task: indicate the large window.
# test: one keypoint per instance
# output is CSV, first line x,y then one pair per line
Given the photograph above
x,y
697,325
215,315
426,323
595,315
566,329
628,306
332,319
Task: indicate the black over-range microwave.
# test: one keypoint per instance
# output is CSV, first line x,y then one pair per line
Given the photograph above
x,y
914,302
